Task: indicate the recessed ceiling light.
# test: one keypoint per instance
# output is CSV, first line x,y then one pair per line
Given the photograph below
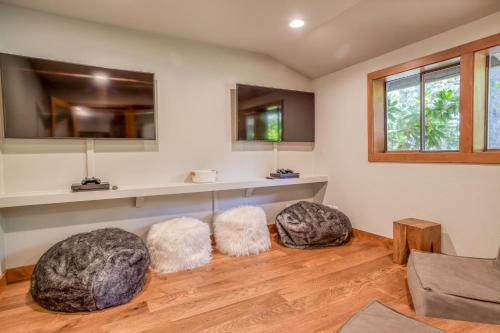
x,y
297,23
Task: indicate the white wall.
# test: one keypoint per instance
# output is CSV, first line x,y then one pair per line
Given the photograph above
x,y
194,84
464,198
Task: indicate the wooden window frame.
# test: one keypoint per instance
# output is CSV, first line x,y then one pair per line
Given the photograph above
x,y
466,154
487,100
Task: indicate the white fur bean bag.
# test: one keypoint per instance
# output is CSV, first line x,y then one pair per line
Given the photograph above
x,y
179,244
242,231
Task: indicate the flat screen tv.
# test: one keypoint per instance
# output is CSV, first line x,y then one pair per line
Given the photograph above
x,y
277,115
52,99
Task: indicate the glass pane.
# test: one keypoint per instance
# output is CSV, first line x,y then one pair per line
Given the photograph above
x,y
442,109
403,113
494,99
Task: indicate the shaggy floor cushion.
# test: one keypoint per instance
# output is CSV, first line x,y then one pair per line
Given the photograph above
x,y
179,244
376,317
90,271
454,287
242,231
306,224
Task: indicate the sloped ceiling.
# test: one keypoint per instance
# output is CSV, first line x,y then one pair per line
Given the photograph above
x,y
337,34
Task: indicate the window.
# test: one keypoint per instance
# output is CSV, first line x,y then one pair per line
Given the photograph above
x,y
494,98
440,108
422,110
403,113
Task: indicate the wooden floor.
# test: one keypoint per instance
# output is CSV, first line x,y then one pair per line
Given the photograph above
x,y
283,290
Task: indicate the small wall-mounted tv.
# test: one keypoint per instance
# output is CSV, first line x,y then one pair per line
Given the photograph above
x,y
270,114
52,99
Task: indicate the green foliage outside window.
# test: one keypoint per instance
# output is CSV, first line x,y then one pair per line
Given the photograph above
x,y
403,119
441,114
442,118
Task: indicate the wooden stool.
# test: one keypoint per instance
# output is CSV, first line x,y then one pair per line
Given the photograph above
x,y
413,234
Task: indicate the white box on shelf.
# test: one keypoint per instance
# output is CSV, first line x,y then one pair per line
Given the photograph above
x,y
204,176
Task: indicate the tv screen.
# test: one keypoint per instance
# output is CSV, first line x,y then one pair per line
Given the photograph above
x,y
270,114
51,99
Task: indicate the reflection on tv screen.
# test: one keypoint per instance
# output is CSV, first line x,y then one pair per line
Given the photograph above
x,y
262,122
270,114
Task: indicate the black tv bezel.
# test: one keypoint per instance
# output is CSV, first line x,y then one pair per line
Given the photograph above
x,y
238,85
3,108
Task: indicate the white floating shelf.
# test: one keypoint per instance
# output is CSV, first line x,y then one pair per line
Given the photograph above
x,y
63,196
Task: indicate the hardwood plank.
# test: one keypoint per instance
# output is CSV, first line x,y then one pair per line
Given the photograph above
x,y
203,320
346,278
334,311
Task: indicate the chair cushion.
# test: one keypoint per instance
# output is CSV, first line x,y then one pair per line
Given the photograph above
x,y
179,244
377,317
306,224
454,287
90,271
472,278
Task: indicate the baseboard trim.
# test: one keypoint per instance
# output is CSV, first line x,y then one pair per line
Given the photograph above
x,y
3,282
18,274
358,233
272,228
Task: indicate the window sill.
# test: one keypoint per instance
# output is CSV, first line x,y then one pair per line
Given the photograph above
x,y
487,157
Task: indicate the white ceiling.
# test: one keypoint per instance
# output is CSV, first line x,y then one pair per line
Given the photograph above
x,y
338,33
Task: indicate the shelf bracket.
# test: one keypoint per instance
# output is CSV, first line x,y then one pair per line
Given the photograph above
x,y
249,192
139,202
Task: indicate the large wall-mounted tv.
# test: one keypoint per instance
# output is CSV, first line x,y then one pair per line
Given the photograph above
x,y
270,114
52,99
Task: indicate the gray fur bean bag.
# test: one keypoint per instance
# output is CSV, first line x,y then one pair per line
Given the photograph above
x,y
307,224
90,271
